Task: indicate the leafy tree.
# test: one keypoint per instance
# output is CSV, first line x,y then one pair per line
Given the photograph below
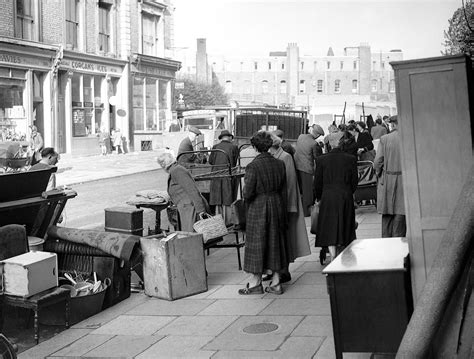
x,y
457,37
198,95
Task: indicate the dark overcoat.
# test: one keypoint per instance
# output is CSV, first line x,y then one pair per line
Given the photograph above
x,y
264,193
335,181
223,191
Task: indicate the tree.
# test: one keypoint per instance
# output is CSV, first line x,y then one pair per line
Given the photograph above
x,y
457,37
198,95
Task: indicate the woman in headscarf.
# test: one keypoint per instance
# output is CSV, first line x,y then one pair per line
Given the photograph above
x,y
265,194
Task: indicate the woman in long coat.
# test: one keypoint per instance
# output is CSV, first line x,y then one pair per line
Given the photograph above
x,y
264,193
183,192
297,236
335,182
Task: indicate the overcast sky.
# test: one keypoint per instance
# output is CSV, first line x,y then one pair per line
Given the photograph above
x,y
256,27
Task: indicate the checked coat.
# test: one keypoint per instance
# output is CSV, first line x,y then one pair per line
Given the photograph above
x,y
265,194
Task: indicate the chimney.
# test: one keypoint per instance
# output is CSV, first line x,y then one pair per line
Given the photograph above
x,y
201,61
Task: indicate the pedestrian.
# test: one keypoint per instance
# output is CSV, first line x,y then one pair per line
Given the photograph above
x,y
183,192
117,138
378,130
285,145
335,182
296,235
334,135
265,243
223,191
187,145
370,123
49,158
103,138
36,145
387,165
362,142
385,123
307,150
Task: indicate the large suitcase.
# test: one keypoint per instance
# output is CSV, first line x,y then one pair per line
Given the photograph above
x,y
124,220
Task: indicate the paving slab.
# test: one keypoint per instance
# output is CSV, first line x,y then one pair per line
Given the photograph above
x,y
236,338
232,292
226,277
236,307
82,346
178,347
54,344
310,266
221,267
134,325
314,326
301,347
298,307
123,346
326,350
157,306
197,325
210,289
311,278
301,291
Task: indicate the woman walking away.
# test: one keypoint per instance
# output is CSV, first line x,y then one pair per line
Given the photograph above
x,y
335,181
264,193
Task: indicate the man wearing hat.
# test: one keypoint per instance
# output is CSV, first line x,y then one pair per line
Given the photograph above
x,y
387,165
307,149
186,145
36,145
223,191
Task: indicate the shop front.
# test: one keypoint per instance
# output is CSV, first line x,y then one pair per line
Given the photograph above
x,y
92,98
25,89
152,84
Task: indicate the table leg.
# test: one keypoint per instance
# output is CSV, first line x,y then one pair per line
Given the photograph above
x,y
157,221
68,300
36,326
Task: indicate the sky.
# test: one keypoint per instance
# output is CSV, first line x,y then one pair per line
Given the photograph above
x,y
256,27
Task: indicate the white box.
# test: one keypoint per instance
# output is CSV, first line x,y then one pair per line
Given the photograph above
x,y
29,273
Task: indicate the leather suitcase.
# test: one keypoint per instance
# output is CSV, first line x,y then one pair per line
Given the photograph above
x,y
124,220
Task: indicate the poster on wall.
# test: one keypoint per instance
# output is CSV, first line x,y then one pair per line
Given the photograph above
x,y
78,122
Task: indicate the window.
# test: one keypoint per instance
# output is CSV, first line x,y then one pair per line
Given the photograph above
x,y
315,65
374,65
264,86
255,65
104,28
282,86
269,65
302,86
319,87
329,65
391,86
337,86
355,86
138,103
228,86
72,24
302,65
383,65
355,65
150,103
24,19
282,65
150,34
374,85
342,65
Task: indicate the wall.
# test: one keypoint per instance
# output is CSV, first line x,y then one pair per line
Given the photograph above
x,y
7,24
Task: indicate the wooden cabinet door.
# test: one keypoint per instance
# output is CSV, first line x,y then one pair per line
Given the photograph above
x,y
434,99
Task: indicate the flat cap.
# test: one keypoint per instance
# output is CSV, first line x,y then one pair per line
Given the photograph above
x,y
194,130
317,131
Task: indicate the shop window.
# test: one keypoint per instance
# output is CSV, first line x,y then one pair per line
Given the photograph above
x,y
76,90
337,86
302,86
264,86
12,113
374,85
319,86
25,19
150,105
164,102
72,24
138,103
104,28
355,86
150,34
228,86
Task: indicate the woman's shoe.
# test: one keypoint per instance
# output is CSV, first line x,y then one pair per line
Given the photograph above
x,y
276,289
267,277
258,289
322,255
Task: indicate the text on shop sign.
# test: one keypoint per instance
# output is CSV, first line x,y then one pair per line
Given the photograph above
x,y
87,66
10,58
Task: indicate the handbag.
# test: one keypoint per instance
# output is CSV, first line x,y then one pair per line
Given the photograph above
x,y
210,226
239,214
314,217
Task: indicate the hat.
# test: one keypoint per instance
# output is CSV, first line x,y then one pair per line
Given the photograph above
x,y
393,119
225,133
317,131
278,133
194,130
33,128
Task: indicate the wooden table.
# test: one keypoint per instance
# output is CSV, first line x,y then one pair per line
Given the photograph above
x,y
158,207
370,293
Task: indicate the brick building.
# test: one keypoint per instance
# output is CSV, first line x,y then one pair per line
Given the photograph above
x,y
77,67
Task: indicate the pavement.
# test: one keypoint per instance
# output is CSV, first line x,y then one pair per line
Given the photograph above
x,y
218,323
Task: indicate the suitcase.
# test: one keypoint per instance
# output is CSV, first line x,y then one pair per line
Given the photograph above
x,y
124,220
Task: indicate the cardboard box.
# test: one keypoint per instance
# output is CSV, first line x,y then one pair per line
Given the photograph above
x,y
174,267
29,273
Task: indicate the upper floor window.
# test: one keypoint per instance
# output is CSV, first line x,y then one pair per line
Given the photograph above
x,y
228,86
264,86
337,86
302,65
282,65
104,28
302,86
319,86
329,65
72,24
342,65
374,85
355,86
24,19
374,65
269,65
255,65
391,86
354,64
315,64
383,65
282,86
150,34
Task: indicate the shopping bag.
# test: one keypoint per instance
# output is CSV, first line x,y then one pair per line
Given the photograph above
x,y
314,217
210,226
239,213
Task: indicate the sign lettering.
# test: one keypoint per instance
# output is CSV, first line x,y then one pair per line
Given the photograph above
x,y
10,58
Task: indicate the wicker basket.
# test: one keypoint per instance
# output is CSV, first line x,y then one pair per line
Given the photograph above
x,y
211,226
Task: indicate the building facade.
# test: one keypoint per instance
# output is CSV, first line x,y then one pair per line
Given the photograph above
x,y
75,68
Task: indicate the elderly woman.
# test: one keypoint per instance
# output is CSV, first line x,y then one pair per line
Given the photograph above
x,y
183,192
265,193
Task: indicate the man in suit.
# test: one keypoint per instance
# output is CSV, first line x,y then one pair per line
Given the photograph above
x,y
378,130
186,145
390,201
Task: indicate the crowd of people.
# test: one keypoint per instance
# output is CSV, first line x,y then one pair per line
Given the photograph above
x,y
282,183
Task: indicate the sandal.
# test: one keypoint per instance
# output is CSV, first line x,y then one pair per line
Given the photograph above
x,y
276,289
258,289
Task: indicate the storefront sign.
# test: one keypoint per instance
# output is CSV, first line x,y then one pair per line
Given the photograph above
x,y
155,71
23,60
76,65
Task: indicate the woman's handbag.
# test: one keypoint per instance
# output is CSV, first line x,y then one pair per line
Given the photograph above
x,y
314,217
210,226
